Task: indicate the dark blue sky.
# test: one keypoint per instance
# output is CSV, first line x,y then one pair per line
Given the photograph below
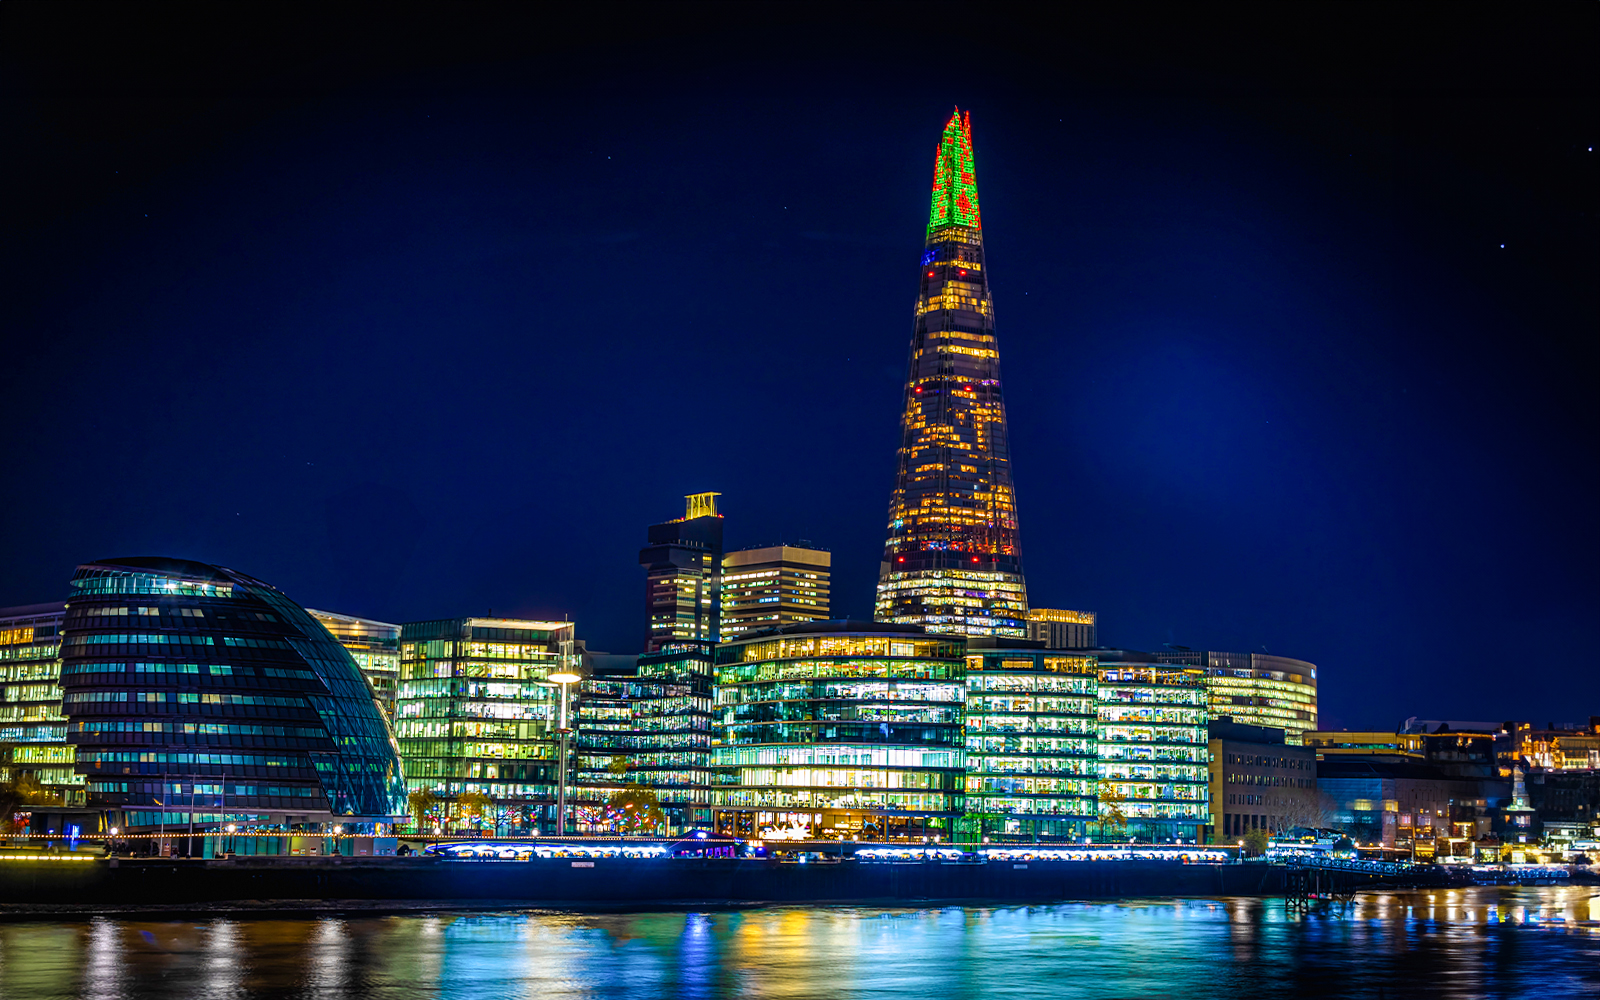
x,y
422,319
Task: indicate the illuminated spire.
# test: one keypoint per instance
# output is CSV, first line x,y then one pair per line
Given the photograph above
x,y
955,189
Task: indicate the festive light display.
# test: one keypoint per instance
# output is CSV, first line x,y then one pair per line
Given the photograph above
x,y
955,190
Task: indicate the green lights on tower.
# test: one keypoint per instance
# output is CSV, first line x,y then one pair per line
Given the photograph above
x,y
955,188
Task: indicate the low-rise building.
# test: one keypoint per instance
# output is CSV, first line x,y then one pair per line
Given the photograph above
x,y
1260,782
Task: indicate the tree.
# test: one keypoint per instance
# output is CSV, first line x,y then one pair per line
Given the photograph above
x,y
474,805
421,802
637,808
1255,843
1307,807
1111,800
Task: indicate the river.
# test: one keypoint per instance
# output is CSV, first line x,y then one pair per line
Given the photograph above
x,y
1486,942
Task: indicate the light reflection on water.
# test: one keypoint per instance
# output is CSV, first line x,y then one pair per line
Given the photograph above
x,y
1488,942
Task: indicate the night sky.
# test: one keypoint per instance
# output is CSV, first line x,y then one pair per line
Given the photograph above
x,y
417,316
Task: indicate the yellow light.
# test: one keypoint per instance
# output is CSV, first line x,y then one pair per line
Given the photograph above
x,y
565,678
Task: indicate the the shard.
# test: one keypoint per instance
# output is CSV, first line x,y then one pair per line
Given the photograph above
x,y
952,561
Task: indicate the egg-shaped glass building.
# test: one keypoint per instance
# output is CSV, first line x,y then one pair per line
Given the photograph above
x,y
199,697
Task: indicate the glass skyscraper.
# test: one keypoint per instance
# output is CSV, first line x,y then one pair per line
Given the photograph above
x,y
198,695
952,562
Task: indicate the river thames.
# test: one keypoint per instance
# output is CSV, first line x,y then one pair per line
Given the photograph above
x,y
1486,942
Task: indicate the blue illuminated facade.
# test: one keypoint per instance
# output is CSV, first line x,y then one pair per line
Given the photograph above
x,y
198,695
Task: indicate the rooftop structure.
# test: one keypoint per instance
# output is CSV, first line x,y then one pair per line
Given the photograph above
x,y
1058,628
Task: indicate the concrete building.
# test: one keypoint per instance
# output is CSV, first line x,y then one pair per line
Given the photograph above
x,y
772,586
1259,782
1062,629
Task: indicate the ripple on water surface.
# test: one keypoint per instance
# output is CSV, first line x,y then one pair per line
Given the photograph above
x,y
1489,942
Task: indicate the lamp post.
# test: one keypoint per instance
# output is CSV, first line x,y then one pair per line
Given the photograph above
x,y
565,679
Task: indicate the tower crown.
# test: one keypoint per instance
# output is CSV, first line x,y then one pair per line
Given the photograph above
x,y
955,187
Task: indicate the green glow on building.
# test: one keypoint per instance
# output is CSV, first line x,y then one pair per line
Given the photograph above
x,y
955,186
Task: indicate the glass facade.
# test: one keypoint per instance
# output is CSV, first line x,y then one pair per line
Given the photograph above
x,y
1257,689
952,562
1031,742
840,729
198,695
683,575
33,732
1152,749
773,586
658,718
476,713
375,646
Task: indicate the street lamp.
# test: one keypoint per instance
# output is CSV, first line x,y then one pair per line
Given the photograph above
x,y
565,679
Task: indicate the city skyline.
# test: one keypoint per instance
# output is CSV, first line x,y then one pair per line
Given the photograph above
x,y
1258,364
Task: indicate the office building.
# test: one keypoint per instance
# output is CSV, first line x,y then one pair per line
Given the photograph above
x,y
683,575
1031,741
33,731
771,586
1260,782
1256,689
477,712
1152,747
375,646
1060,629
655,715
840,729
1405,805
197,696
952,562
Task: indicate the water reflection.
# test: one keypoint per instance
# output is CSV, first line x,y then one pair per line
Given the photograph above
x,y
1466,943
